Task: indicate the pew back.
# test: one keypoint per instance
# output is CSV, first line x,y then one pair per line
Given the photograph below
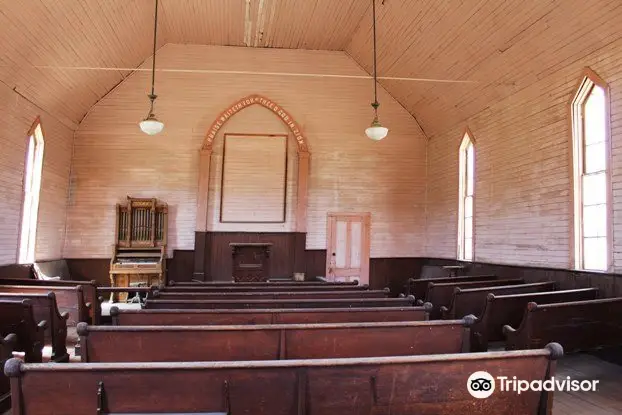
x,y
262,284
89,290
440,294
271,295
576,325
398,385
270,342
44,308
146,317
18,318
314,303
69,299
473,300
7,345
419,287
264,288
500,310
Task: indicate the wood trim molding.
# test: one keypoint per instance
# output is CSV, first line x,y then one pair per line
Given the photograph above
x,y
206,153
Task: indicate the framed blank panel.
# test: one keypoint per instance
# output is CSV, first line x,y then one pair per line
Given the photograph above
x,y
254,179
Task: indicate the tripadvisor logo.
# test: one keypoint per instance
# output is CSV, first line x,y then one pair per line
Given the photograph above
x,y
481,385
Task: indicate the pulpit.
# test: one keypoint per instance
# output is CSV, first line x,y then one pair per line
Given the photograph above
x,y
251,261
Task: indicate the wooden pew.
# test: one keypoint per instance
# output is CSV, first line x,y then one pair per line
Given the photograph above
x,y
419,287
577,325
18,318
69,299
45,309
266,316
253,289
7,345
440,294
434,384
89,289
261,284
250,296
473,300
271,342
316,303
501,310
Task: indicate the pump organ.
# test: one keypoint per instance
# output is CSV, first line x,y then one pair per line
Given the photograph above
x,y
139,254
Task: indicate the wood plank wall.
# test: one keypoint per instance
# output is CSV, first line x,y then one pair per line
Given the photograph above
x,y
523,172
349,172
16,117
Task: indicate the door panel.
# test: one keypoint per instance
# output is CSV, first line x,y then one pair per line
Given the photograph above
x,y
348,241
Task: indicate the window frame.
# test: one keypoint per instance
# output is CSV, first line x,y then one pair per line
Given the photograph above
x,y
35,135
588,80
467,139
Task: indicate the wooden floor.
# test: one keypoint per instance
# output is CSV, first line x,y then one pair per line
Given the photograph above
x,y
607,400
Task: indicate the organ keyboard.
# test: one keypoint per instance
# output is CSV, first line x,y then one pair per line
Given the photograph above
x,y
139,254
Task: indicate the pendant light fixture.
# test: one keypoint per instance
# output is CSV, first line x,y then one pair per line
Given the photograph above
x,y
151,125
376,131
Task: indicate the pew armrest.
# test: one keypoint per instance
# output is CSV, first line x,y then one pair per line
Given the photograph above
x,y
100,299
419,302
88,305
64,315
445,313
508,330
43,324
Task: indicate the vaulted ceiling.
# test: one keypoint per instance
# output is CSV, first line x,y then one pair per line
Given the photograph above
x,y
65,55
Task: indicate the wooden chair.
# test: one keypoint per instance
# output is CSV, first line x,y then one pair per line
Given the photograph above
x,y
434,384
576,325
69,299
246,304
18,318
473,300
271,342
500,310
7,345
45,309
147,317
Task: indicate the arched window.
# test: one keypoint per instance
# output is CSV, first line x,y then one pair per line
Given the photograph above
x,y
466,191
33,168
592,184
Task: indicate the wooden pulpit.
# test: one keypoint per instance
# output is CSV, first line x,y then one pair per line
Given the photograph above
x,y
251,261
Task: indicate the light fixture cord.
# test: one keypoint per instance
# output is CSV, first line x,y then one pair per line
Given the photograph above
x,y
153,96
375,104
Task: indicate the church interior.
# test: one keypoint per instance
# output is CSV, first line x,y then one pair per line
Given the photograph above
x,y
310,207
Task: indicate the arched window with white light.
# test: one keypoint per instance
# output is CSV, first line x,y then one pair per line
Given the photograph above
x,y
466,188
592,181
33,169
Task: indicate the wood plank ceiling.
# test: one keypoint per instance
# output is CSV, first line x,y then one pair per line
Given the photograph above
x,y
501,46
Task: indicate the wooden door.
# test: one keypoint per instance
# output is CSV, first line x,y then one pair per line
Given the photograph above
x,y
347,247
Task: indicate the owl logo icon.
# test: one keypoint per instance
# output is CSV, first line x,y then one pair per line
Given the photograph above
x,y
481,385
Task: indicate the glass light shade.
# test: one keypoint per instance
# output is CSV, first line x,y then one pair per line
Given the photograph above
x,y
151,125
376,132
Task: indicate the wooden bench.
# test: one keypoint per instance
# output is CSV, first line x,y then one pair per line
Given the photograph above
x,y
419,287
262,284
104,293
69,299
500,310
473,300
434,384
7,345
45,309
251,296
271,342
266,316
18,318
89,290
253,289
440,294
577,325
315,303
